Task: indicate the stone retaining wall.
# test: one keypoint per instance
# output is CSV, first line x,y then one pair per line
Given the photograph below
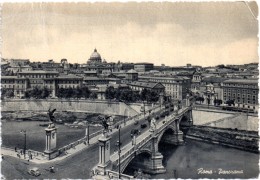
x,y
97,106
246,140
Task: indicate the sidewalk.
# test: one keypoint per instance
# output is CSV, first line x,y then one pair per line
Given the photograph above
x,y
41,159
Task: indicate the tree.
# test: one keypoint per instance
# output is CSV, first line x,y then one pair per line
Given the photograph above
x,y
93,95
45,93
110,93
85,92
217,102
230,102
77,93
60,93
200,99
143,94
8,93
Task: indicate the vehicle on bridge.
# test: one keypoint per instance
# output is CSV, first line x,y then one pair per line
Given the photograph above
x,y
34,171
134,132
136,122
143,126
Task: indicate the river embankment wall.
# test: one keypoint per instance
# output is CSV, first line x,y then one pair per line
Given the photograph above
x,y
240,139
63,105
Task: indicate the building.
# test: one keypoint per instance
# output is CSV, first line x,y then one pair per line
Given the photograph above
x,y
243,91
16,69
124,66
153,86
132,75
68,81
143,67
211,89
176,87
50,79
195,81
19,62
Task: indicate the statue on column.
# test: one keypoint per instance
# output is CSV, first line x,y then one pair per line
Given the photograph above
x,y
104,124
51,117
153,125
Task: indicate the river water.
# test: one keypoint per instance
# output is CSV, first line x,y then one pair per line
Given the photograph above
x,y
186,161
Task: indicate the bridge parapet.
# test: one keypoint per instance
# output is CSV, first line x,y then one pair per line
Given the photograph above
x,y
129,150
148,142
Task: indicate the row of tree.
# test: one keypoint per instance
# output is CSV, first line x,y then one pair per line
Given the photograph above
x,y
7,93
126,94
215,101
77,93
37,93
43,93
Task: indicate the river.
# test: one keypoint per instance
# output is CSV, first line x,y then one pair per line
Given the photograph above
x,y
198,159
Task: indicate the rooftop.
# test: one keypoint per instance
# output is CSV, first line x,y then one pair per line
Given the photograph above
x,y
144,84
38,72
242,81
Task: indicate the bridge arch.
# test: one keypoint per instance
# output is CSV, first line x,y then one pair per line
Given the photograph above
x,y
146,152
169,128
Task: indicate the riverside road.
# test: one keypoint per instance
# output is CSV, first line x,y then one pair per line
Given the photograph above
x,y
77,166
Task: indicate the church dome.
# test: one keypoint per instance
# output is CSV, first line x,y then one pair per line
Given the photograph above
x,y
95,57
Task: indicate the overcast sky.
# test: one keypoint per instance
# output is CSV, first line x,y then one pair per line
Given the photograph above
x,y
162,33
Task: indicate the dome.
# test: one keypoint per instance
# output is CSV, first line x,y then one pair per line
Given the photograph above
x,y
95,57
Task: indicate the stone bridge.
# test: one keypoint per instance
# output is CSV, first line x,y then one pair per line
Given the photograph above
x,y
143,152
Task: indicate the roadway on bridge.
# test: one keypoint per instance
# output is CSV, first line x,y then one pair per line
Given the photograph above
x,y
77,166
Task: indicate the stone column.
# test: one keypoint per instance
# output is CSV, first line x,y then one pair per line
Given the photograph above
x,y
104,154
51,142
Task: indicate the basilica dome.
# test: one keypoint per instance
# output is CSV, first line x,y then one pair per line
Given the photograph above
x,y
95,57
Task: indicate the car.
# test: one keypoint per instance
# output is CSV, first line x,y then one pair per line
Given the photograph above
x,y
143,126
136,122
134,132
34,171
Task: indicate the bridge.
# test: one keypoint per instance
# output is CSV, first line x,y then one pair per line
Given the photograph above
x,y
142,151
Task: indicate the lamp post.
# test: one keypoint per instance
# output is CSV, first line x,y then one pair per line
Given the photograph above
x,y
143,109
119,151
24,147
87,133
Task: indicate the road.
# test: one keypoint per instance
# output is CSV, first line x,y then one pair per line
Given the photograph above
x,y
77,166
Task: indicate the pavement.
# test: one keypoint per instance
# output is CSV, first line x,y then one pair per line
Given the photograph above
x,y
40,159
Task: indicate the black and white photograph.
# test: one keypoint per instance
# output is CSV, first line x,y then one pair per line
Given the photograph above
x,y
129,90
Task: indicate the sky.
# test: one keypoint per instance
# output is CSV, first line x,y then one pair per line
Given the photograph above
x,y
170,33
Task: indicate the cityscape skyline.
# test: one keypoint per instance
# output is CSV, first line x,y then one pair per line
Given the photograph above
x,y
219,33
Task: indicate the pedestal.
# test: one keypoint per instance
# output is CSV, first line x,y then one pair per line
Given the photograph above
x,y
104,154
157,166
51,142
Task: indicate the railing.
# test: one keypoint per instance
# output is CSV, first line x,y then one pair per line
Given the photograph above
x,y
143,141
80,141
28,152
113,175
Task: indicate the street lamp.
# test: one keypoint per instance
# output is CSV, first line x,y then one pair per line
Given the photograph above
x,y
119,151
24,147
143,109
87,133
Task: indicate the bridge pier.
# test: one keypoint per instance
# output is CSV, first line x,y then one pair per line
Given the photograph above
x,y
156,164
